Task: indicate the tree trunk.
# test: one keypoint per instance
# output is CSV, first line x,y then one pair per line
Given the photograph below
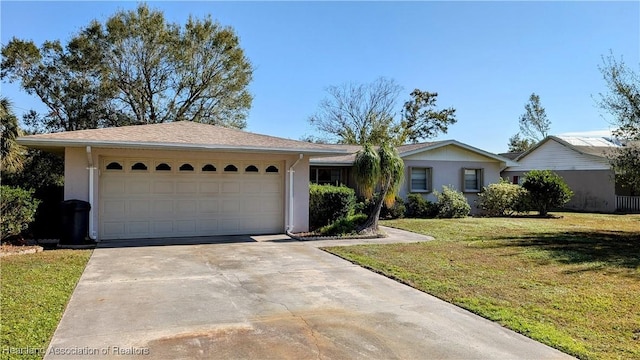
x,y
371,225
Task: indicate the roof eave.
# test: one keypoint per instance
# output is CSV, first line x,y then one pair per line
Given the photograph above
x,y
53,145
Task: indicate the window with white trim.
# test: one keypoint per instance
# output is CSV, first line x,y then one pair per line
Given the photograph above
x,y
420,179
472,180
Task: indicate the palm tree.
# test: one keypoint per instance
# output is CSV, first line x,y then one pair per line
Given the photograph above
x,y
383,170
10,152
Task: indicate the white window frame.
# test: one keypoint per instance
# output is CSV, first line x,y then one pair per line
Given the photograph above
x,y
479,173
428,179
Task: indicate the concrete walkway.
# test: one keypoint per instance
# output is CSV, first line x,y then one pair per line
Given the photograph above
x,y
264,298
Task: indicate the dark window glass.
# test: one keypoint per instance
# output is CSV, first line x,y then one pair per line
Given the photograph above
x,y
186,167
139,166
163,167
251,168
230,168
208,167
272,169
114,166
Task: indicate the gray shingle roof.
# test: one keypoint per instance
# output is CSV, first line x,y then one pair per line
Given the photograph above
x,y
181,134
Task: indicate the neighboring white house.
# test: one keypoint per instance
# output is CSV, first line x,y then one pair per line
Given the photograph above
x,y
582,162
185,179
428,166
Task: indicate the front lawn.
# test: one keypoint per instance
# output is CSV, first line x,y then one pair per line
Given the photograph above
x,y
34,291
572,283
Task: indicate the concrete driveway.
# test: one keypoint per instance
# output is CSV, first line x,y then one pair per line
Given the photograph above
x,y
265,298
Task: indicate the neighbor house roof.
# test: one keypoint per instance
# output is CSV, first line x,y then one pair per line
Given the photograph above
x,y
593,146
186,135
403,150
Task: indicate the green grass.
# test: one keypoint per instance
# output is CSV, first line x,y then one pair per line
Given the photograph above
x,y
572,283
34,291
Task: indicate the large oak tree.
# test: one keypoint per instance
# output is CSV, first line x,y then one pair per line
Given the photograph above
x,y
135,68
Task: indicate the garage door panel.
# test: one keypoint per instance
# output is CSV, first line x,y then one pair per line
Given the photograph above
x,y
137,227
163,227
138,187
138,208
115,187
114,208
230,187
231,206
186,226
163,187
187,187
209,187
208,226
114,230
173,203
186,207
252,187
230,226
162,208
209,206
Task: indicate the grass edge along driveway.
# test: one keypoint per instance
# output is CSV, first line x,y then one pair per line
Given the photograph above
x,y
572,283
34,292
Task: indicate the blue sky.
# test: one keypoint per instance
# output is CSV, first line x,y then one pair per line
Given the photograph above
x,y
483,58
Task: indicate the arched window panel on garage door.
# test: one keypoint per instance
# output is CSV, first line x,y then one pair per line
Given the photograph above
x,y
272,169
251,169
231,168
139,166
209,168
186,167
114,166
163,167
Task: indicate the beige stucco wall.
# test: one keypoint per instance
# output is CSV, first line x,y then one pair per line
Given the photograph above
x,y
594,190
77,175
449,173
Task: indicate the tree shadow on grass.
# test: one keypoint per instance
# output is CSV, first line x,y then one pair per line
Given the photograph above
x,y
612,248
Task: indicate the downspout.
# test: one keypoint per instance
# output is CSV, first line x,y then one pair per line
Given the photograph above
x,y
91,168
291,172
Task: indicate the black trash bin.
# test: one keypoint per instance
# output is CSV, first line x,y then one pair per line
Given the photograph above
x,y
75,222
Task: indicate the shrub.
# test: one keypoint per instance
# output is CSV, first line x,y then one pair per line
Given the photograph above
x,y
17,209
344,226
365,206
328,203
546,190
502,199
419,207
452,203
396,211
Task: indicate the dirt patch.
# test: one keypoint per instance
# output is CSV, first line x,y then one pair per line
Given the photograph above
x,y
8,250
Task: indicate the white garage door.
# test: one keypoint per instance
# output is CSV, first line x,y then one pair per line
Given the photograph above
x,y
149,198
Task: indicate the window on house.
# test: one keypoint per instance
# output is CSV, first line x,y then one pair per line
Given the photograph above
x,y
114,166
251,168
472,180
230,168
186,167
323,176
163,167
139,166
272,169
515,180
209,167
420,179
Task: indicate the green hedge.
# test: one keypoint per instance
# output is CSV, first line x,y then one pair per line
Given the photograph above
x,y
328,203
419,207
17,210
